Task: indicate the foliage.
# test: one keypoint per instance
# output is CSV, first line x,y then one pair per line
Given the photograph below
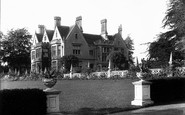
x,y
86,71
171,90
175,15
130,46
93,77
33,76
160,50
16,48
115,77
118,59
172,40
68,60
49,73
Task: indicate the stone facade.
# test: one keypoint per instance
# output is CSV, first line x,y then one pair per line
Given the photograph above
x,y
91,49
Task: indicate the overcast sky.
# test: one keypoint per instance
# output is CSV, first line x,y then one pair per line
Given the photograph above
x,y
141,19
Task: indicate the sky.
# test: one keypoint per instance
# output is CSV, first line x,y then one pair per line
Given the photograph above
x,y
140,19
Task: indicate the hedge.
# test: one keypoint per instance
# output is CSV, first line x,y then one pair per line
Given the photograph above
x,y
168,90
23,102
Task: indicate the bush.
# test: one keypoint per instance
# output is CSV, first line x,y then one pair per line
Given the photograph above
x,y
168,90
23,102
93,77
115,77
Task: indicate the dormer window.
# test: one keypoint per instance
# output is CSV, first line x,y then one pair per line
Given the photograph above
x,y
45,38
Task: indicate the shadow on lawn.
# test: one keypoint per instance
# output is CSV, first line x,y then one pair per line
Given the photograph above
x,y
102,111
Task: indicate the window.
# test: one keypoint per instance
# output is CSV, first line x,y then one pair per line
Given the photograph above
x,y
106,50
33,55
38,67
54,65
53,51
91,52
76,36
45,53
59,50
45,39
62,51
76,50
104,57
38,53
33,67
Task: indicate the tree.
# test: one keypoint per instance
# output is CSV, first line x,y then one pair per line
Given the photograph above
x,y
130,46
118,59
175,20
171,40
160,50
68,60
16,49
175,16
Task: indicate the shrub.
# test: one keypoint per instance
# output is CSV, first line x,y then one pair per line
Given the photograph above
x,y
93,77
115,77
168,90
23,102
102,76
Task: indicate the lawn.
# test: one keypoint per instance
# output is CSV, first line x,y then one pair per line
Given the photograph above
x,y
82,95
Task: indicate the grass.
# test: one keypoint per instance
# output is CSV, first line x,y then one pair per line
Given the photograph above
x,y
82,96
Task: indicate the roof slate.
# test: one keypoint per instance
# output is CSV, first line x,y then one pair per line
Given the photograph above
x,y
39,37
63,30
50,34
90,38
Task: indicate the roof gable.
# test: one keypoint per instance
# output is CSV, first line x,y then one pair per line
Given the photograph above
x,y
34,39
56,34
47,37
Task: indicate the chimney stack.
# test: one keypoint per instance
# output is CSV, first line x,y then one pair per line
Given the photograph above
x,y
57,21
120,29
104,28
41,29
79,22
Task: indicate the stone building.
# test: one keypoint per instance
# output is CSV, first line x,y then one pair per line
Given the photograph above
x,y
92,50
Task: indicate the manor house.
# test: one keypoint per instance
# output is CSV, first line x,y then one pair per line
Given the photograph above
x,y
92,50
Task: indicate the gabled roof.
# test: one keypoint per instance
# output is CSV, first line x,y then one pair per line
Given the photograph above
x,y
63,30
91,38
50,34
39,37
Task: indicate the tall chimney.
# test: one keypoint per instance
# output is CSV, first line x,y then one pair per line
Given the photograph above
x,y
57,21
79,22
120,29
41,29
104,28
